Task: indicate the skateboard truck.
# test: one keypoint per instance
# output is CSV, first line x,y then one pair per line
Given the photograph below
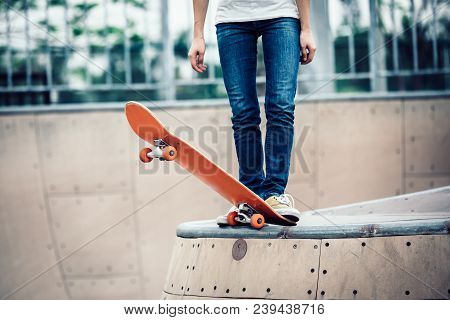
x,y
160,150
245,215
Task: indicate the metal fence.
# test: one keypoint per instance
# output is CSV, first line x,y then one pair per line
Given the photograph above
x,y
58,50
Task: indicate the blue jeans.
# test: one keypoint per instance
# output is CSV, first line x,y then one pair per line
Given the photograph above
x,y
238,51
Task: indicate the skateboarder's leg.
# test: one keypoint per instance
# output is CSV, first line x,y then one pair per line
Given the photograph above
x,y
237,50
281,57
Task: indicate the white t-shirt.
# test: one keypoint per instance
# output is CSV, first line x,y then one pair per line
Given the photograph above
x,y
253,10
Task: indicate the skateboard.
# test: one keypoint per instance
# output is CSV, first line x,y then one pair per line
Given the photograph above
x,y
163,145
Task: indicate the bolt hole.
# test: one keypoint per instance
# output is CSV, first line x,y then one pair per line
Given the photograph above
x,y
243,289
198,245
363,244
309,291
315,246
215,288
182,288
327,244
269,244
187,289
187,267
324,271
407,292
227,291
193,267
213,246
312,270
295,246
355,292
268,290
408,244
322,293
202,289
172,285
193,245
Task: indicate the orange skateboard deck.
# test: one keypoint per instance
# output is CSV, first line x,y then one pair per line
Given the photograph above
x,y
166,146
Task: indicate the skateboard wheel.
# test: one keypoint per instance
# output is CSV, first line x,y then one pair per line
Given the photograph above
x,y
143,155
257,221
231,218
169,153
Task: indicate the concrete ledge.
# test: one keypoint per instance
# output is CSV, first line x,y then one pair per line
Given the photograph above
x,y
393,248
420,213
206,103
406,267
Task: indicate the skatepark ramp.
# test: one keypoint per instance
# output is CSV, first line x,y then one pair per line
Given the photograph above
x,y
392,248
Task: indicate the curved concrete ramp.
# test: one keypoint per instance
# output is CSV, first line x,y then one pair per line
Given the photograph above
x,y
393,248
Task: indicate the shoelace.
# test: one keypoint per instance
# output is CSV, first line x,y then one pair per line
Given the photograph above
x,y
285,199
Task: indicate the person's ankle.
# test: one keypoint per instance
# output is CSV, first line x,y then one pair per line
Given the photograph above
x,y
270,194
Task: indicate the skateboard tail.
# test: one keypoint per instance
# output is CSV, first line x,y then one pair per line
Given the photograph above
x,y
144,123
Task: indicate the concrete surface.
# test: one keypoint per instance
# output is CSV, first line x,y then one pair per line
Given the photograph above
x,y
80,217
398,267
392,248
421,213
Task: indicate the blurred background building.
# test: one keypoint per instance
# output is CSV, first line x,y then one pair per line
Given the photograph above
x,y
72,51
81,218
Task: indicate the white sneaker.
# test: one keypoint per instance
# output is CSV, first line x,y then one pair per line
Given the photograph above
x,y
284,205
222,220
